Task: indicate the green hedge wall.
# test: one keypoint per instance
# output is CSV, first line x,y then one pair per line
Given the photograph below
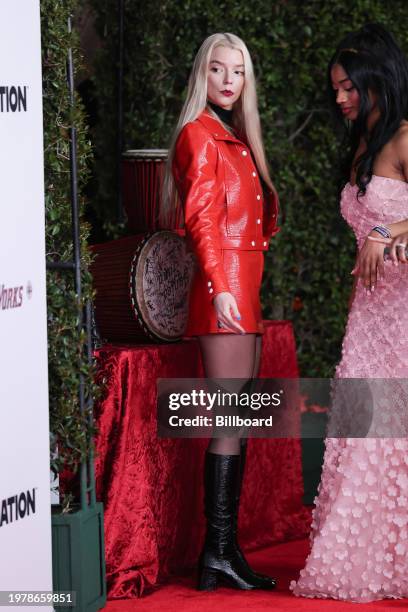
x,y
69,432
307,275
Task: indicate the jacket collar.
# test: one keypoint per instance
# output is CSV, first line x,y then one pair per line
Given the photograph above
x,y
216,128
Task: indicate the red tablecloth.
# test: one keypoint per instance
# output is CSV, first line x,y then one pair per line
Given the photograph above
x,y
152,488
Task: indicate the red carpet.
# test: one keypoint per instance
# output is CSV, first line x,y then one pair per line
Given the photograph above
x,y
283,561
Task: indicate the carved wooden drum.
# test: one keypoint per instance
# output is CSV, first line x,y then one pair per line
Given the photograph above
x,y
142,287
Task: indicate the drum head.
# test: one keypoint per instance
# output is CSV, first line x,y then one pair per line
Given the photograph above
x,y
160,279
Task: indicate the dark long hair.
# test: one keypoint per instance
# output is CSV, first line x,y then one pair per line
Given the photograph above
x,y
374,63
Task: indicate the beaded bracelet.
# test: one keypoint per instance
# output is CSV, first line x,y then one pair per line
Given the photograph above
x,y
380,240
382,230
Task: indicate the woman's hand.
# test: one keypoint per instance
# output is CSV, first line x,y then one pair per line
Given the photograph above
x,y
227,311
397,249
370,264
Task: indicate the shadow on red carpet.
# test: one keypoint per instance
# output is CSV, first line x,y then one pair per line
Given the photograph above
x,y
283,561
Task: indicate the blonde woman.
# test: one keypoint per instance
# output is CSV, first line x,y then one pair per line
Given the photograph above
x,y
217,170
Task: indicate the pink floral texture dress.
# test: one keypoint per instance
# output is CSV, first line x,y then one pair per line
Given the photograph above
x,y
359,533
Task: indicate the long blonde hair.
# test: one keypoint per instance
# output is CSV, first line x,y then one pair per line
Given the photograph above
x,y
245,115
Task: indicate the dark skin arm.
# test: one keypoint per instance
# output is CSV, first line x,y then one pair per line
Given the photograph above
x,y
370,262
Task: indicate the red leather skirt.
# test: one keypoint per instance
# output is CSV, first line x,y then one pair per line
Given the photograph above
x,y
244,272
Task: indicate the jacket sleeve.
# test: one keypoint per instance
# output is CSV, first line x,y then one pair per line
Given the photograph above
x,y
194,169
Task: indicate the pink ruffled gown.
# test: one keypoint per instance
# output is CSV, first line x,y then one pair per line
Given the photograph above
x,y
360,523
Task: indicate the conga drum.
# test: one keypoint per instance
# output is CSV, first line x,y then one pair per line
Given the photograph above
x,y
142,287
143,171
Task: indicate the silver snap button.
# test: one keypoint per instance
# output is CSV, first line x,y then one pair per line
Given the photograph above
x,y
244,153
258,221
209,283
211,290
254,174
253,243
258,197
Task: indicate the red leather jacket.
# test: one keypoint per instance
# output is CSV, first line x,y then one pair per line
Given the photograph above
x,y
224,204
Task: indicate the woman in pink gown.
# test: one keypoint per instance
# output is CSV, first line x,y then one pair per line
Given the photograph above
x,y
359,533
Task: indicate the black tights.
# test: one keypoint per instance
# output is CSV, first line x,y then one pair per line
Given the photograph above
x,y
230,356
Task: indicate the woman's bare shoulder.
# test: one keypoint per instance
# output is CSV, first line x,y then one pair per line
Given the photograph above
x,y
400,138
400,148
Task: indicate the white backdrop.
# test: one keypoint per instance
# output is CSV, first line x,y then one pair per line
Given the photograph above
x,y
25,536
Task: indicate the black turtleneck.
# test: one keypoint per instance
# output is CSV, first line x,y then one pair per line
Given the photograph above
x,y
224,114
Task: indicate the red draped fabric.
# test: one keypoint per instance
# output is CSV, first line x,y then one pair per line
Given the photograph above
x,y
152,488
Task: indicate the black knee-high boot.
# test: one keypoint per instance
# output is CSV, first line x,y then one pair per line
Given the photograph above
x,y
219,558
270,582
